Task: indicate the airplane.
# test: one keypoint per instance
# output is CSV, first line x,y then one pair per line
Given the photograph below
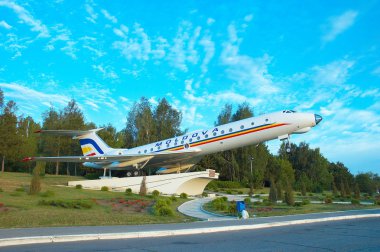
x,y
180,153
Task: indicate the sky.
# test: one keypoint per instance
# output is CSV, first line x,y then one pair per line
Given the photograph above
x,y
310,56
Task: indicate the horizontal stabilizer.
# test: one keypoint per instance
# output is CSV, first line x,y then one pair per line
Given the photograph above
x,y
71,133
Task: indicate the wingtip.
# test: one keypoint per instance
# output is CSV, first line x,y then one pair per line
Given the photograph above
x,y
27,159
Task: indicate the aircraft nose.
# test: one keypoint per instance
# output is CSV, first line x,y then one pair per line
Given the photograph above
x,y
318,118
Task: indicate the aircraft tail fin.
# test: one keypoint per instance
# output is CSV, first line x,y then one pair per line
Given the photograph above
x,y
91,143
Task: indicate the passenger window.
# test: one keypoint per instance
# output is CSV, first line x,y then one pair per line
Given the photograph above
x,y
222,132
190,140
242,126
252,123
214,133
198,138
206,136
230,129
145,151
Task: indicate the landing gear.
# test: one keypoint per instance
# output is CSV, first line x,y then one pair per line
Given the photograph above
x,y
287,145
286,139
133,173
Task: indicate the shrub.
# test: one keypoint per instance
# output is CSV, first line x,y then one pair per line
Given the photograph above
x,y
247,201
155,193
204,194
229,192
298,204
92,176
47,194
128,191
224,198
78,186
378,202
355,202
328,200
76,204
35,183
162,208
305,202
20,189
299,194
104,189
219,204
173,198
183,195
1,189
232,208
143,188
310,194
240,192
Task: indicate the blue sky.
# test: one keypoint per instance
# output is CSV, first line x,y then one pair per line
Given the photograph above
x,y
312,56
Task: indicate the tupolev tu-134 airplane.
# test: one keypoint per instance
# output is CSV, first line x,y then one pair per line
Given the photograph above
x,y
180,153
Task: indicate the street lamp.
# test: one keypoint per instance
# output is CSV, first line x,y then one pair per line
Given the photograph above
x,y
251,189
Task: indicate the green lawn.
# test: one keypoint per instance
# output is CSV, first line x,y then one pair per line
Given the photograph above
x,y
19,209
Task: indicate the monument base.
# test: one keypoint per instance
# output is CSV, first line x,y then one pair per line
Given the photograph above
x,y
191,183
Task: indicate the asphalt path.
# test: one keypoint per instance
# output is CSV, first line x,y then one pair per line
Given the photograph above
x,y
344,235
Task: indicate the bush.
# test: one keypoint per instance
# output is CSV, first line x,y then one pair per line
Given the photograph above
x,y
224,184
183,195
378,202
128,191
1,189
20,189
92,176
47,194
173,198
162,207
298,204
219,204
232,208
104,189
78,186
328,200
155,193
355,202
224,198
204,194
76,204
247,201
305,202
310,194
240,192
229,192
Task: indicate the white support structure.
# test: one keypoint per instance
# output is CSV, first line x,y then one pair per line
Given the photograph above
x,y
191,183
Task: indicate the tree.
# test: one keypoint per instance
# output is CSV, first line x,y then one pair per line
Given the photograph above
x,y
365,183
8,133
289,197
273,192
143,188
35,184
167,120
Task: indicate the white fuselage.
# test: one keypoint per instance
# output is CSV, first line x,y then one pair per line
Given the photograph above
x,y
241,133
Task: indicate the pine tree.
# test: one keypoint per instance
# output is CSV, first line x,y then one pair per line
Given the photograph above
x,y
289,197
357,191
143,188
273,192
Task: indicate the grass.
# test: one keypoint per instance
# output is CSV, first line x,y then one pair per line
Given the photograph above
x,y
261,210
19,209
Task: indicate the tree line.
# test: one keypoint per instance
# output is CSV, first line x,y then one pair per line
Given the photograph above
x,y
303,169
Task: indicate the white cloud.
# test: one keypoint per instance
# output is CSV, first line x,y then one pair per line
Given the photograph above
x,y
108,16
119,33
31,96
70,49
5,25
339,24
90,11
210,21
248,18
376,71
335,73
27,18
98,53
251,74
106,71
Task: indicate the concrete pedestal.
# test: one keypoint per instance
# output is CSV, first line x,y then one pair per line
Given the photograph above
x,y
191,183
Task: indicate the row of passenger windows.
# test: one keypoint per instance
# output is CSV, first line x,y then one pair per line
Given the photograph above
x,y
198,138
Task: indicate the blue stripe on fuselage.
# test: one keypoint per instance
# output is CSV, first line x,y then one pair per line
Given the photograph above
x,y
92,142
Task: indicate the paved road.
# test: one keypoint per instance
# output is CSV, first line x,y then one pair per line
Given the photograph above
x,y
346,235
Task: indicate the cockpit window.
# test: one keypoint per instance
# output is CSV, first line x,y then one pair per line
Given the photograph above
x,y
288,111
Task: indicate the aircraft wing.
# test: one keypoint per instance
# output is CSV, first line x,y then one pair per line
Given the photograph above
x,y
157,158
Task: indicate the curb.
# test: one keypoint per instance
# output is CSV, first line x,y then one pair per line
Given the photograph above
x,y
150,234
